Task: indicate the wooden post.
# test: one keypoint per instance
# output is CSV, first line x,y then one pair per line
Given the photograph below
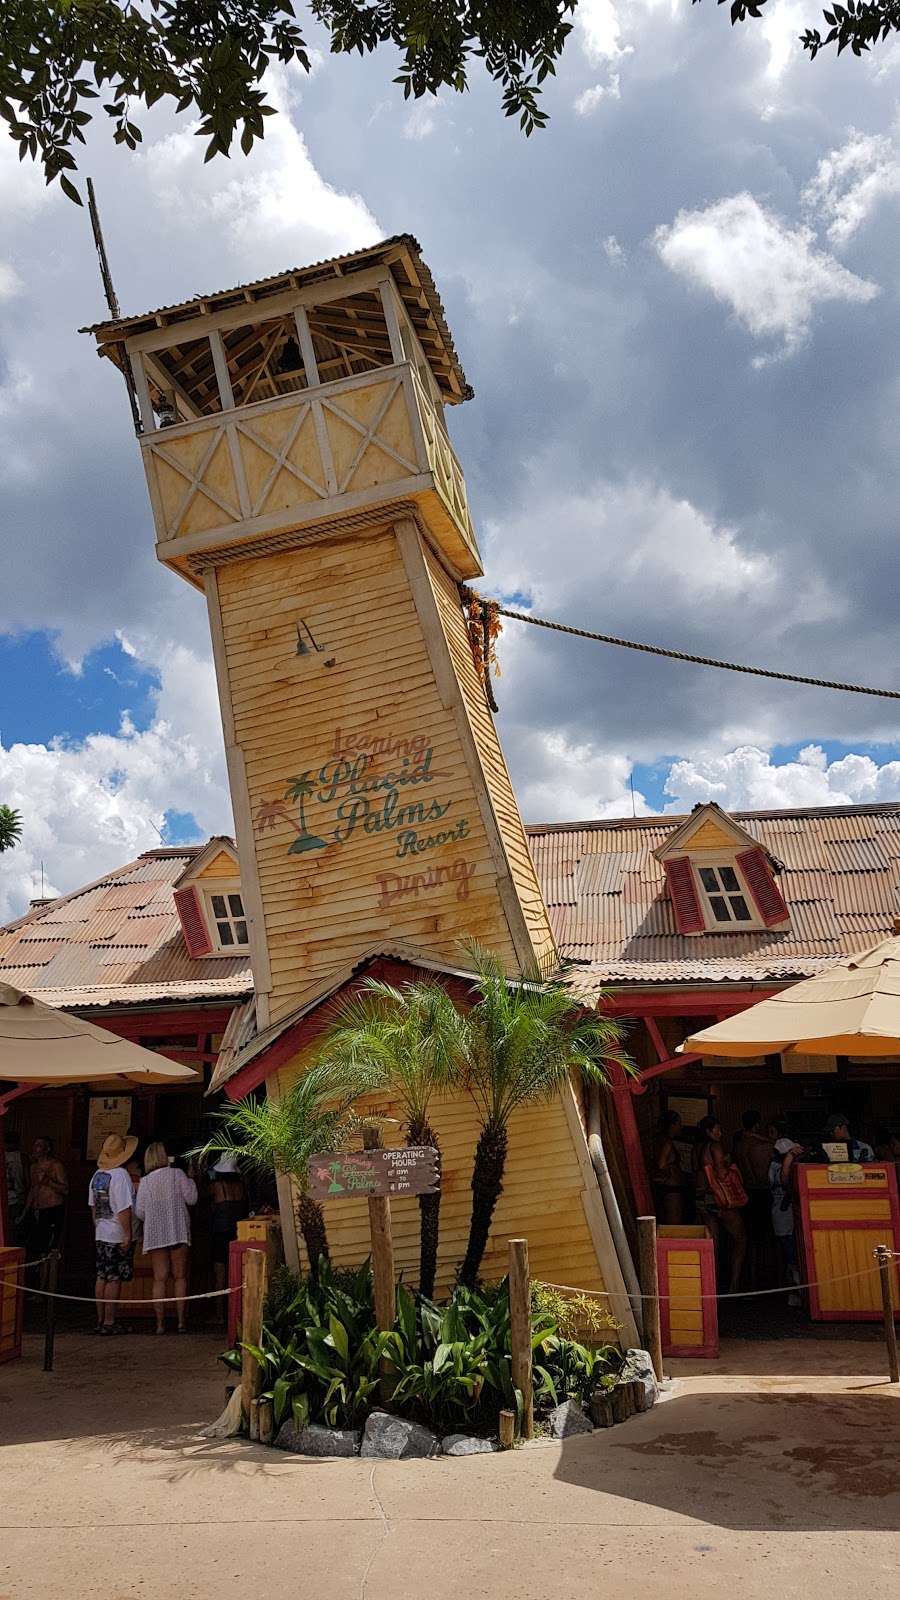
x,y
884,1257
253,1296
50,1316
507,1429
648,1271
382,1261
266,1422
253,1429
520,1328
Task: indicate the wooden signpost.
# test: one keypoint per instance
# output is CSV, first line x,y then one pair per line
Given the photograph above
x,y
373,1172
377,1174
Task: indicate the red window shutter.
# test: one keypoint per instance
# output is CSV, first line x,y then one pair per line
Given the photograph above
x,y
683,895
765,891
193,922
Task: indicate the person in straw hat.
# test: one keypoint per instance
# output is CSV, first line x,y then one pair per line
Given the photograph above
x,y
111,1197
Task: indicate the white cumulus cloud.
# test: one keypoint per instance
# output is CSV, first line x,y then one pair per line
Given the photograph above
x,y
851,181
747,779
90,805
772,276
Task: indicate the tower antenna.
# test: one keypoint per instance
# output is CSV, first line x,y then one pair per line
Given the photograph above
x,y
111,298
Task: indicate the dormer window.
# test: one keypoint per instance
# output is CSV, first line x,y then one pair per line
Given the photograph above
x,y
719,878
210,904
723,894
229,920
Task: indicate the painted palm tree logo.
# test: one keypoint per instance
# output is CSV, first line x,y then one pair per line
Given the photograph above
x,y
300,789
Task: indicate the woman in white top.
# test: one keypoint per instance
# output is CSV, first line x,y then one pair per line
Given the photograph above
x,y
163,1197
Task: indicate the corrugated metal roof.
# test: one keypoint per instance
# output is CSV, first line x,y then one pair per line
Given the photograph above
x,y
262,288
842,885
117,940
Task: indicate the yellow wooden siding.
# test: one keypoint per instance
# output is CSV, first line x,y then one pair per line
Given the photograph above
x,y
222,866
324,906
843,1264
541,1200
500,788
685,1302
709,836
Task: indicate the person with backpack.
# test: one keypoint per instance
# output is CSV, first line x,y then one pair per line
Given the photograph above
x,y
111,1198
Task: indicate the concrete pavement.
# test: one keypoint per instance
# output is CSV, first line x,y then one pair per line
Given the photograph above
x,y
777,1468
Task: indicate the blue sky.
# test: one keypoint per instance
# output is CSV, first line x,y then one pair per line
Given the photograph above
x,y
679,310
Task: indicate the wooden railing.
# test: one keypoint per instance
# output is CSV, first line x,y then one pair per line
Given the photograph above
x,y
305,456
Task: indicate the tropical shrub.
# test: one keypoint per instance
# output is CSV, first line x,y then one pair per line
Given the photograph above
x,y
450,1365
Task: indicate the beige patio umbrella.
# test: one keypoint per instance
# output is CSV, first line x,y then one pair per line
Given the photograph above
x,y
850,1010
39,1045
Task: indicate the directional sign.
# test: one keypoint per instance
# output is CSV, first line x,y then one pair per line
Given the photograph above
x,y
335,1175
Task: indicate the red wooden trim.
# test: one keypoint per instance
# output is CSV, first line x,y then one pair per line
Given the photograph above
x,y
759,878
691,1002
809,1229
708,1303
634,1153
16,1351
163,1021
638,1084
652,1026
682,889
308,1028
192,916
4,1197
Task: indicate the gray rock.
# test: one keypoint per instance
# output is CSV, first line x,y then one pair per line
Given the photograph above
x,y
465,1444
313,1440
395,1439
638,1369
569,1419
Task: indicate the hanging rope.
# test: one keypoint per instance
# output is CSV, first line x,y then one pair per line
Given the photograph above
x,y
497,611
484,627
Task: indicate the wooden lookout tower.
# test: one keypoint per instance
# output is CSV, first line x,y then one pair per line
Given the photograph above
x,y
300,472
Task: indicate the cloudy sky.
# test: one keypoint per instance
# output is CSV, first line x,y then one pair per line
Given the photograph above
x,y
679,310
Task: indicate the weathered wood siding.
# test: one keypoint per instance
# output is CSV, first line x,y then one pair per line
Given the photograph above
x,y
409,861
496,773
542,1199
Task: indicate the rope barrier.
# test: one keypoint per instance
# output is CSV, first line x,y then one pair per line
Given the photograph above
x,y
159,1300
698,661
742,1294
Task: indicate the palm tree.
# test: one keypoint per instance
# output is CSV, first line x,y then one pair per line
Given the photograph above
x,y
522,1038
300,789
411,1039
10,828
316,1114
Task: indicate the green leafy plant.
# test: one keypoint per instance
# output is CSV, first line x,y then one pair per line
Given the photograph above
x,y
10,828
315,1114
522,1038
211,58
410,1040
450,1365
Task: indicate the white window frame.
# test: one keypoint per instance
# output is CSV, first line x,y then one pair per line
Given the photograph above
x,y
225,888
733,925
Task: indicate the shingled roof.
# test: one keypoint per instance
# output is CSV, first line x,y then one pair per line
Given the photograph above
x,y
117,941
610,911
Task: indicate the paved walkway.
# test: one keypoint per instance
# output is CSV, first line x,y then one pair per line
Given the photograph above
x,y
744,1481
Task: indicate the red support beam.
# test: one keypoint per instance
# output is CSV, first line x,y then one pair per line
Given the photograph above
x,y
631,1144
652,1026
687,1003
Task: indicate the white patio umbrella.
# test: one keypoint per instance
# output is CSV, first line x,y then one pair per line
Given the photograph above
x,y
40,1045
850,1010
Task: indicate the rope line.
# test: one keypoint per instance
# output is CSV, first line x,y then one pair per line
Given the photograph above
x,y
699,661
742,1294
159,1300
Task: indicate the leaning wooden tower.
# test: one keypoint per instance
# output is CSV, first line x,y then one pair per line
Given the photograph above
x,y
300,473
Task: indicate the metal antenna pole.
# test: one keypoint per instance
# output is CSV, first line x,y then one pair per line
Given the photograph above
x,y
111,299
